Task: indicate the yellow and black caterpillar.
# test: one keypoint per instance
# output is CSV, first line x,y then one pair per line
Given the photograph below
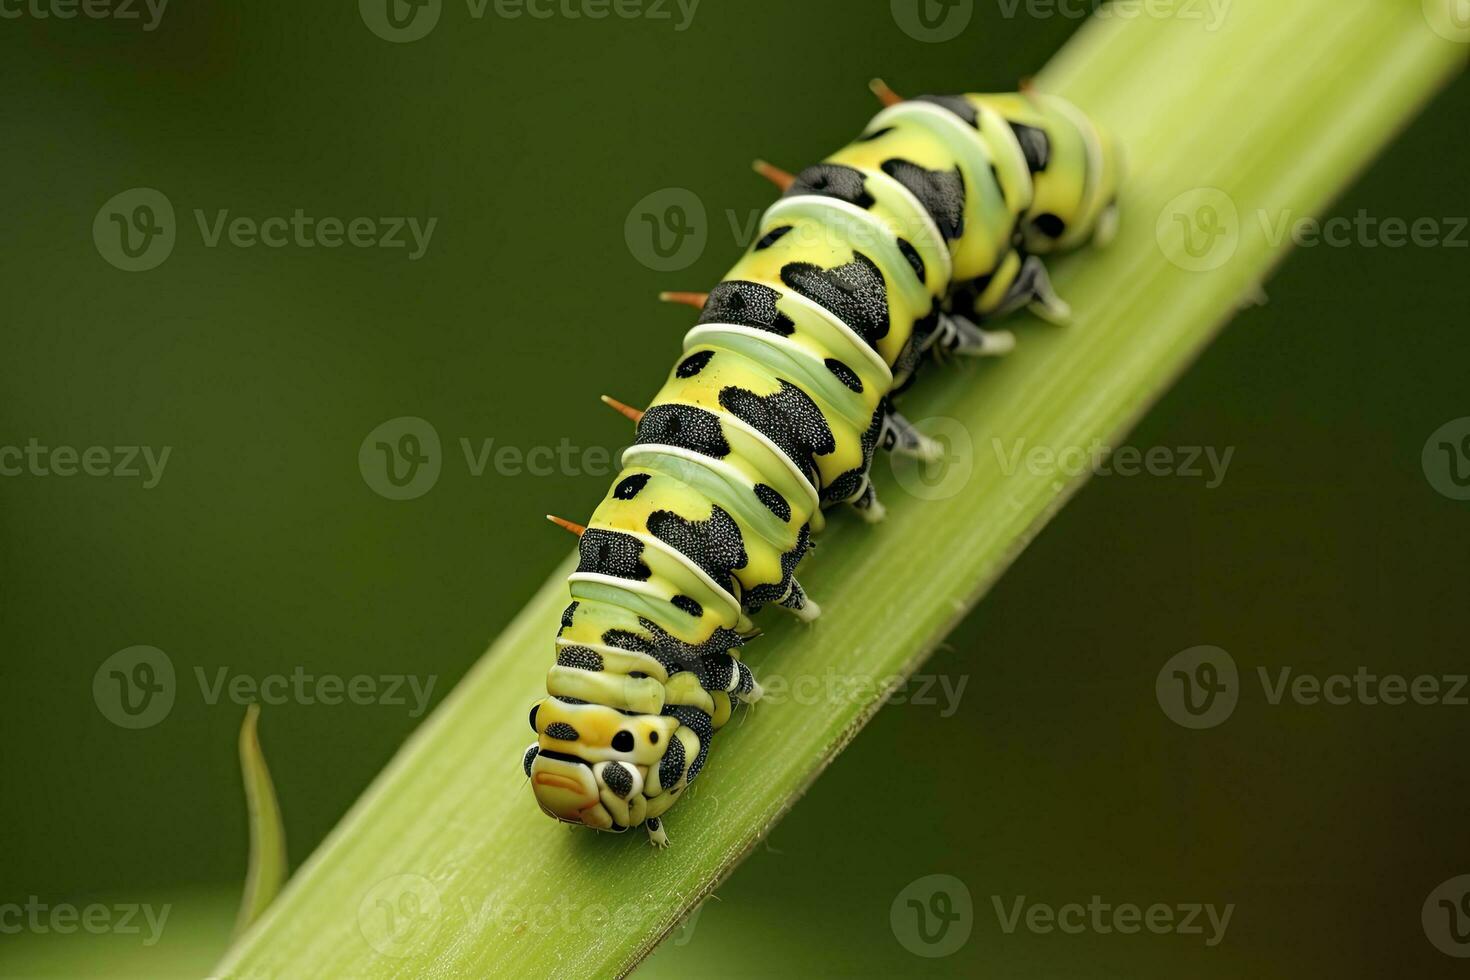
x,y
931,222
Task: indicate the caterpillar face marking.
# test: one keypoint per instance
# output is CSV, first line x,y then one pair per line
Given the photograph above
x,y
893,248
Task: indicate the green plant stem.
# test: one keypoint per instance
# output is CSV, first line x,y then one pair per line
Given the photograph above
x,y
446,868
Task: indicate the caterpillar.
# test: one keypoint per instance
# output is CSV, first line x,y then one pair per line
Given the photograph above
x,y
895,248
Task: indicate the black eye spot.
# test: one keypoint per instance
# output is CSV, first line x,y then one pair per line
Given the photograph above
x,y
529,758
534,707
631,486
694,363
686,604
1049,225
653,738
623,741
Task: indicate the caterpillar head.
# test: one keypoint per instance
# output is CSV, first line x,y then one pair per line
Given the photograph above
x,y
589,762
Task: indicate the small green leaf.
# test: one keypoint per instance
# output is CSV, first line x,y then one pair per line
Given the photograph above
x,y
268,868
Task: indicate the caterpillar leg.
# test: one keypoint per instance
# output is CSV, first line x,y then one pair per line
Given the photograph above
x,y
723,673
900,437
868,506
656,835
959,335
1033,290
1107,226
796,600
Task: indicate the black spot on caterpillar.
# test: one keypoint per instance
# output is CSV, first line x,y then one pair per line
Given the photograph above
x,y
713,544
619,779
854,291
772,237
612,553
1049,225
561,730
693,364
958,105
788,417
746,304
629,487
1035,144
845,374
683,426
835,181
913,258
580,658
942,193
773,500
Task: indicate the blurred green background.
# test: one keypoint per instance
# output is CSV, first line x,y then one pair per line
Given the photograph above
x,y
263,550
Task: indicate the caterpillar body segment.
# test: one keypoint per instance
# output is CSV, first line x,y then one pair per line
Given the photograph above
x,y
905,243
